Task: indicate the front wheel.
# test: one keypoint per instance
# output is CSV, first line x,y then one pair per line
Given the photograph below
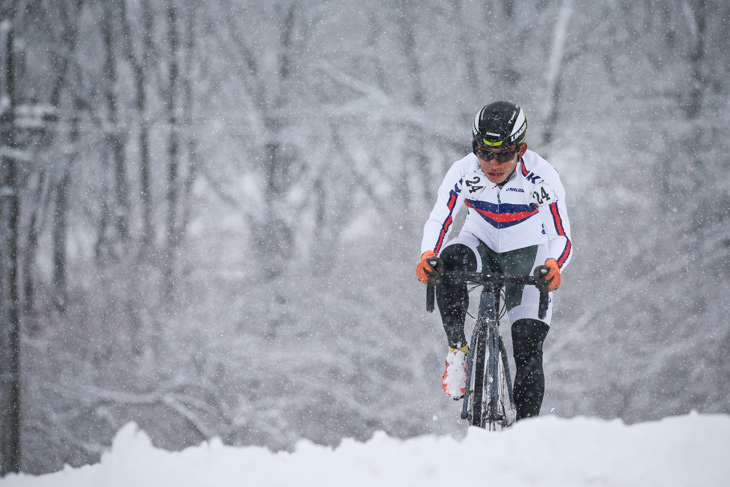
x,y
502,409
477,400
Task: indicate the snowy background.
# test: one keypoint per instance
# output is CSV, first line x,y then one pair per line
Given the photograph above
x,y
221,205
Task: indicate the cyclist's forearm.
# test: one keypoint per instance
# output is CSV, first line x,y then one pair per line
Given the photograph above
x,y
557,228
561,249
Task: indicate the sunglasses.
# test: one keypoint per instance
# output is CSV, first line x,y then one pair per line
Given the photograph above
x,y
487,156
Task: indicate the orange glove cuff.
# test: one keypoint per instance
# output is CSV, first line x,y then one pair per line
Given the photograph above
x,y
553,277
423,266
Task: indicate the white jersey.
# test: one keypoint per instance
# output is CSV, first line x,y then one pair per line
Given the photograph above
x,y
529,209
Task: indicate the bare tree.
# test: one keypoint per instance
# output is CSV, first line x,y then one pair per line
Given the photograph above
x,y
173,151
30,251
270,93
555,71
113,230
140,63
188,113
9,292
64,64
696,12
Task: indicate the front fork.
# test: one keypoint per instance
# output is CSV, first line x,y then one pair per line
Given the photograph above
x,y
488,309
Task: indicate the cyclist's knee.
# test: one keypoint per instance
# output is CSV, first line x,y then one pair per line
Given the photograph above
x,y
459,257
527,338
451,293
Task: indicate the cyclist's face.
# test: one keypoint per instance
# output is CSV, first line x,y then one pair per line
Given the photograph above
x,y
498,172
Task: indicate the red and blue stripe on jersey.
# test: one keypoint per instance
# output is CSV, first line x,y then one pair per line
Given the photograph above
x,y
530,176
558,220
502,215
453,197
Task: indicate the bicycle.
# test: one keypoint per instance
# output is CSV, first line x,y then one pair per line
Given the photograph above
x,y
488,399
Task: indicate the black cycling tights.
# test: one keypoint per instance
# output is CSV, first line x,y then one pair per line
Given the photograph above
x,y
527,334
452,294
527,338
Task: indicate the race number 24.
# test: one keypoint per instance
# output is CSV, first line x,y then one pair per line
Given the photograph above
x,y
543,195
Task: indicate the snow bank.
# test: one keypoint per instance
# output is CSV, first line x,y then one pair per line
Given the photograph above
x,y
547,451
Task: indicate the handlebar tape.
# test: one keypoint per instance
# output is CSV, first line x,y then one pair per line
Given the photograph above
x,y
544,303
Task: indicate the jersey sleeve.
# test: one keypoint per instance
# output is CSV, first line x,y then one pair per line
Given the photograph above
x,y
449,202
556,224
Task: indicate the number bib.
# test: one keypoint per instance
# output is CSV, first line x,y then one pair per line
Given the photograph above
x,y
474,184
543,195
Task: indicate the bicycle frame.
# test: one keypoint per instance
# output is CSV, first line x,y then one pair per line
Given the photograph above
x,y
486,346
486,337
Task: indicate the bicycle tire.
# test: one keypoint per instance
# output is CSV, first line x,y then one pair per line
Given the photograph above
x,y
489,400
502,410
476,409
493,379
507,399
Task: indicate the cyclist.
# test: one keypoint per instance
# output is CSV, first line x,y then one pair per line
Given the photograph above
x,y
516,220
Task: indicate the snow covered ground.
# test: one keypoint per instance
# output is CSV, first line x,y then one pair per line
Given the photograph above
x,y
689,450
